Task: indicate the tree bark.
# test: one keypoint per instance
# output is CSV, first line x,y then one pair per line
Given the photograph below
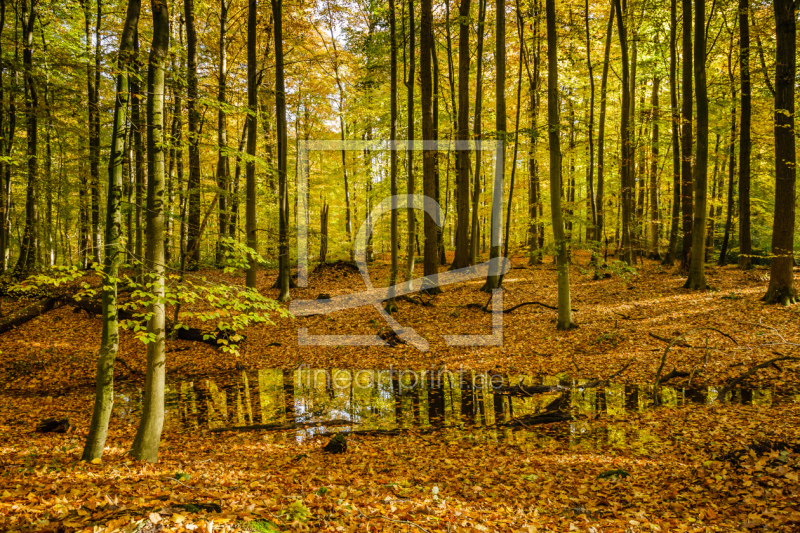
x,y
193,185
687,201
391,306
654,188
283,186
477,133
745,239
409,82
625,144
590,169
462,258
223,160
148,435
250,165
669,260
781,284
601,133
732,170
564,303
109,341
27,254
493,278
697,272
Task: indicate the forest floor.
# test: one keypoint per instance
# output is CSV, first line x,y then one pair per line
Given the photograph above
x,y
687,467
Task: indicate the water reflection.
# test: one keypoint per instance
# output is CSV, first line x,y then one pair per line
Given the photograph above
x,y
315,400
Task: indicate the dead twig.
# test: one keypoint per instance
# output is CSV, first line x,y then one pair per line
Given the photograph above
x,y
671,344
727,388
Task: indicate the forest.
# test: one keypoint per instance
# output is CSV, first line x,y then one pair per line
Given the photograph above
x,y
438,266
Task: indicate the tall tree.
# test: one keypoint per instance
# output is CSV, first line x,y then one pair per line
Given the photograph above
x,y
493,279
27,253
461,258
781,282
109,340
429,156
534,198
283,186
626,173
697,271
723,253
745,239
687,201
409,82
223,160
252,142
590,168
554,135
148,436
93,90
669,260
601,131
193,185
477,133
391,306
654,185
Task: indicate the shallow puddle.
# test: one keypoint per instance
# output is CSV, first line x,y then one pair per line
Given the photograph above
x,y
314,401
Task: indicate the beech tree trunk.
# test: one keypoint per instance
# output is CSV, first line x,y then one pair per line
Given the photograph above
x,y
626,173
193,185
462,258
781,284
697,271
109,341
27,253
148,435
476,134
493,278
283,186
655,222
687,201
745,239
601,132
409,82
669,260
223,160
390,306
564,301
252,141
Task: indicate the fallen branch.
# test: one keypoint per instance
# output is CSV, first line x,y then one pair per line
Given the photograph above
x,y
664,339
485,308
628,317
727,388
29,313
671,344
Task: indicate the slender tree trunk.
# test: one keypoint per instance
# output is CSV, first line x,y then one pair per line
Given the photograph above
x,y
137,124
462,257
564,301
148,435
27,255
493,278
409,82
732,154
283,186
781,283
223,160
687,201
590,196
429,157
252,141
625,145
745,239
477,133
601,133
654,185
5,191
109,341
391,306
534,198
697,273
669,260
193,186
